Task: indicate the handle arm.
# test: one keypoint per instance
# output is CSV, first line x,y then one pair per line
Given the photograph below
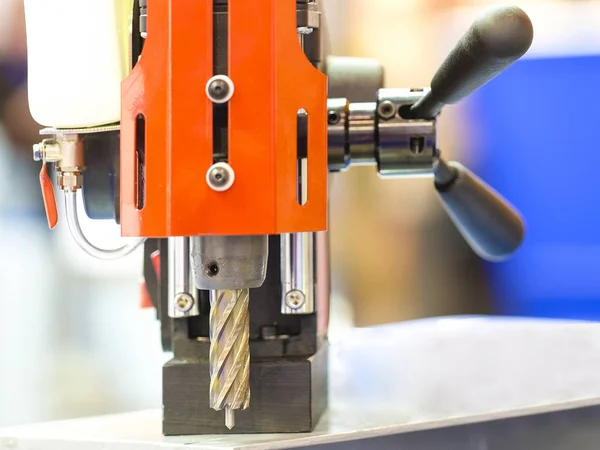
x,y
491,225
492,44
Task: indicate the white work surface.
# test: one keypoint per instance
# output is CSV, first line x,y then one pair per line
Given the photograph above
x,y
391,380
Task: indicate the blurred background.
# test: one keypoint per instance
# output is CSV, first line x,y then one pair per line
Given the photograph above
x,y
73,341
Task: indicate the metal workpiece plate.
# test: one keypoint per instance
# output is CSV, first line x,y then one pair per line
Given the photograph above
x,y
457,383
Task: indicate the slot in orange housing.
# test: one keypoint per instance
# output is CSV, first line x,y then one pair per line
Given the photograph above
x,y
273,80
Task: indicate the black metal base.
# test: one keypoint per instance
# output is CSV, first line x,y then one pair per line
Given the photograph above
x,y
287,395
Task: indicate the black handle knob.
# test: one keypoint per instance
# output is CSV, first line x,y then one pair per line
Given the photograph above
x,y
491,226
492,44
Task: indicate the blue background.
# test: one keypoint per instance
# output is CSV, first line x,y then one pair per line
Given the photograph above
x,y
537,126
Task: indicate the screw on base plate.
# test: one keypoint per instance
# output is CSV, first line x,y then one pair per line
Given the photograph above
x,y
184,302
295,299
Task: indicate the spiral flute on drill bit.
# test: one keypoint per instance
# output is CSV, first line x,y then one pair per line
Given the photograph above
x,y
229,352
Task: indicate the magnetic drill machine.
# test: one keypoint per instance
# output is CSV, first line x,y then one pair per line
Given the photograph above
x,y
204,128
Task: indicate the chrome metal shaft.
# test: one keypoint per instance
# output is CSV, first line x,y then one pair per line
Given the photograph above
x,y
297,273
183,300
229,352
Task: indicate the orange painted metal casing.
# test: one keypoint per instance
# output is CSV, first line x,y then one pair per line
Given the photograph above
x,y
273,80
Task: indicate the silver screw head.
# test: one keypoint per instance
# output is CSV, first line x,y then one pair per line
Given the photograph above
x,y
386,110
218,90
305,30
220,177
184,302
295,299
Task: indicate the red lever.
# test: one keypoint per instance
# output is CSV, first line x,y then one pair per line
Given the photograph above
x,y
145,300
49,198
155,257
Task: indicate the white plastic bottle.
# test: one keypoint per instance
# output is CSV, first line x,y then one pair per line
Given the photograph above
x,y
78,54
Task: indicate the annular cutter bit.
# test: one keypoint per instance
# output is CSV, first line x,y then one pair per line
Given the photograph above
x,y
229,352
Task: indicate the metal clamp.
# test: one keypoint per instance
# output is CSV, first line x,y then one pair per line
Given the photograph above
x,y
405,147
377,134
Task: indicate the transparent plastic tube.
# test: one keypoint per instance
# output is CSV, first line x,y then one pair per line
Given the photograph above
x,y
82,241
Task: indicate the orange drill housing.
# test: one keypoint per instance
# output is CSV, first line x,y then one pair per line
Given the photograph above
x,y
273,80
